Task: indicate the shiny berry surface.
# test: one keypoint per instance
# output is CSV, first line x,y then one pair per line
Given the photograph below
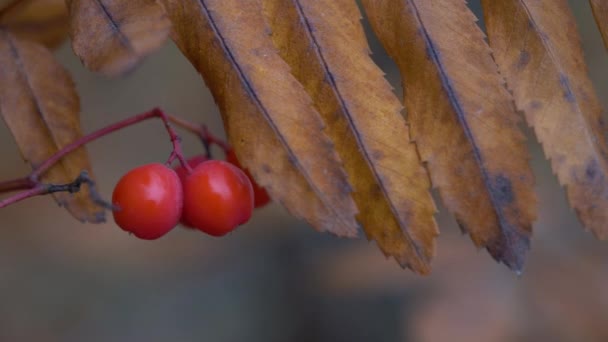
x,y
218,197
149,200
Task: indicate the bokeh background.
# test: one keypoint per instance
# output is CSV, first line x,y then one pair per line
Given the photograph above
x,y
275,279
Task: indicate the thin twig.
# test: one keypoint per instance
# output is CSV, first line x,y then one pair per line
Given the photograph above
x,y
202,131
16,184
33,187
72,187
154,113
40,189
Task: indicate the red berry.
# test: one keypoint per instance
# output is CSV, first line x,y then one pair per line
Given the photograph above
x,y
149,199
218,197
183,173
261,197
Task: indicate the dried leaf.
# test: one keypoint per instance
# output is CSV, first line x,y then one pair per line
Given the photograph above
x,y
113,36
462,119
268,116
600,12
325,45
42,21
40,106
538,49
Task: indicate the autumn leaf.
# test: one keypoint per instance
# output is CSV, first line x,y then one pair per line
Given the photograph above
x,y
538,49
42,21
600,12
462,119
40,106
113,36
325,45
269,117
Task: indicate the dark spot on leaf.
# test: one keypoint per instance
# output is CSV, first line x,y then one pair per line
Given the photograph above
x,y
377,154
524,59
536,105
266,168
568,95
595,180
502,191
292,160
591,171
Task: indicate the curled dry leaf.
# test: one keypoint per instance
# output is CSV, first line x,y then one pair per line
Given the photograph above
x,y
113,36
40,106
269,117
538,49
325,45
462,119
42,21
600,12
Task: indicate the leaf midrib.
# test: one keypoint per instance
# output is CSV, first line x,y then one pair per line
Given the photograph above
x,y
348,115
460,114
558,66
114,26
264,111
39,108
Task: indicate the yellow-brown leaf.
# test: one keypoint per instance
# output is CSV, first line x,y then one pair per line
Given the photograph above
x,y
42,21
538,49
462,119
40,106
269,117
113,36
600,12
324,43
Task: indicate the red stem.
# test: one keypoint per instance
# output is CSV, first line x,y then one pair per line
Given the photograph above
x,y
32,183
16,184
201,130
154,113
40,189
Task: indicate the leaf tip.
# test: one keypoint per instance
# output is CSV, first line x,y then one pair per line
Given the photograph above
x,y
511,250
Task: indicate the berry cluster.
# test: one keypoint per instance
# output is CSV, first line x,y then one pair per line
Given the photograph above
x,y
214,197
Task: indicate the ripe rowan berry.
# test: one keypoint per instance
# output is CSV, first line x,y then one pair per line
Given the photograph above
x,y
218,197
149,200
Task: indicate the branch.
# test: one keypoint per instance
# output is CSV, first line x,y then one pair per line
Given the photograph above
x,y
203,133
16,184
33,187
154,113
72,187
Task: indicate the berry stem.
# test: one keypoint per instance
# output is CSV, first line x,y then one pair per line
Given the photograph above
x,y
16,184
72,187
39,189
202,131
33,187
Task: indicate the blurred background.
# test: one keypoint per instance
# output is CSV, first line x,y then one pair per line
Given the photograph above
x,y
275,279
